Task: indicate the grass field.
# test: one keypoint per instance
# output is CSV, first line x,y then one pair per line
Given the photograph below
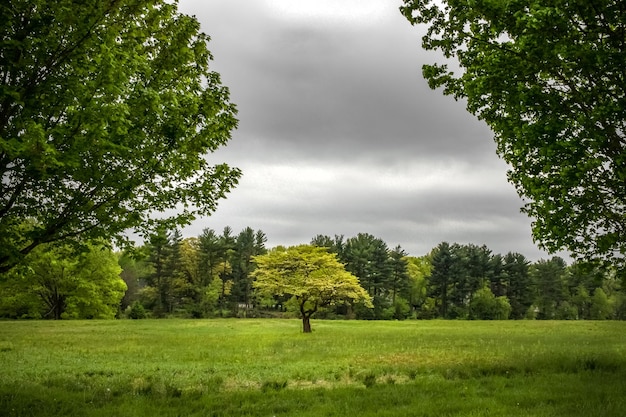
x,y
269,368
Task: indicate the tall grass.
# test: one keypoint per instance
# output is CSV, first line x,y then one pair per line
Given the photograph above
x,y
268,367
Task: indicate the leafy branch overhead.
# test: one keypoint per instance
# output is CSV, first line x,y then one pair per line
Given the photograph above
x,y
548,78
107,111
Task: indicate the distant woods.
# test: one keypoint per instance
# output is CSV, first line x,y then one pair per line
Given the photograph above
x,y
211,275
457,281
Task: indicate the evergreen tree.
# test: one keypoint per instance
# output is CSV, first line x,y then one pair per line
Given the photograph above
x,y
368,258
549,277
497,276
399,280
439,280
248,244
211,255
520,288
158,281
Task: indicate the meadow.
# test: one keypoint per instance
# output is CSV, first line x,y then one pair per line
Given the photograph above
x,y
247,367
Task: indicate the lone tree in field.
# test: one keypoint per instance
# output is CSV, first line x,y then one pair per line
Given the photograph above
x,y
309,274
108,109
548,78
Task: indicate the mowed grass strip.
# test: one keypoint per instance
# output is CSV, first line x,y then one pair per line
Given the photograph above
x,y
268,367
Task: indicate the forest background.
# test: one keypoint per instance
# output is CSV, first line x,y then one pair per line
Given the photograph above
x,y
211,275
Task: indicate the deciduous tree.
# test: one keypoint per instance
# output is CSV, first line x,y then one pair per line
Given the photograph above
x,y
418,269
548,79
309,274
600,307
108,109
56,283
486,306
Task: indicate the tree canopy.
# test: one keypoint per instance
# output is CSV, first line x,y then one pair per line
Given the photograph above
x,y
107,112
311,275
548,78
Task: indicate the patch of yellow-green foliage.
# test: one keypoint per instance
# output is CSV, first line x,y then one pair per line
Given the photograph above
x,y
268,367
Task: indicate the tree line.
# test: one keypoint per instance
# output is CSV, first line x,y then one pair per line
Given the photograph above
x,y
456,281
469,281
212,275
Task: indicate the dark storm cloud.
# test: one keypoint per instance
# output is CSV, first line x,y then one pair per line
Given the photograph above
x,y
339,134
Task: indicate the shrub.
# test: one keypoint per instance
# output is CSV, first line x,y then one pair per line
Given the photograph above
x,y
136,311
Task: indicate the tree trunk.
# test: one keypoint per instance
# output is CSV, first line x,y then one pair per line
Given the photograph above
x,y
59,307
306,315
58,311
306,324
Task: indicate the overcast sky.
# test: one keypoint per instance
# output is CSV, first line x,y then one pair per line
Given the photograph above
x,y
340,134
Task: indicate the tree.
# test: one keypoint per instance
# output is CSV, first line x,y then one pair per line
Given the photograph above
x,y
549,278
440,278
399,280
309,274
418,269
497,276
368,258
581,300
247,245
520,288
107,111
227,259
548,79
358,256
159,281
590,275
334,245
583,279
186,292
212,253
55,283
134,270
600,307
486,306
471,269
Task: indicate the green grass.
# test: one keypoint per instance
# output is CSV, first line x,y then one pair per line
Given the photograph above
x,y
268,367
